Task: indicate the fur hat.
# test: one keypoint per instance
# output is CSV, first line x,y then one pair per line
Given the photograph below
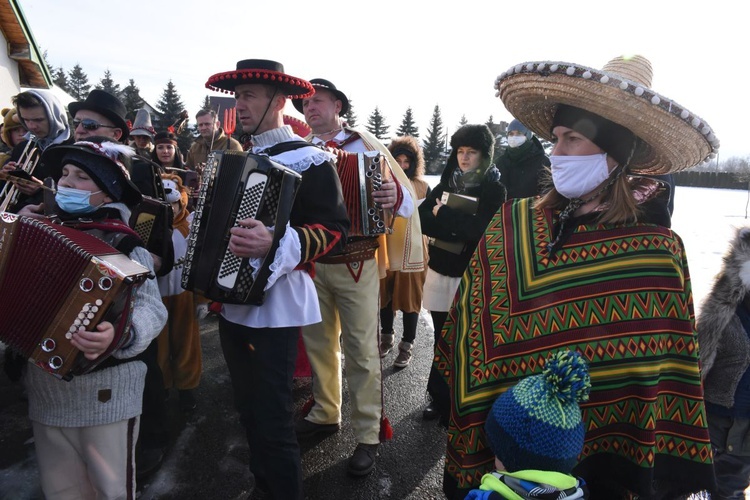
x,y
408,145
537,424
520,127
104,103
142,124
260,71
10,122
103,160
479,137
322,83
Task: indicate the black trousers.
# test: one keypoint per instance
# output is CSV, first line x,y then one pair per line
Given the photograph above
x,y
261,366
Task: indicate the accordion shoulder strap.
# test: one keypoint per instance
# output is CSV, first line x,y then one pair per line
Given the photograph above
x,y
284,147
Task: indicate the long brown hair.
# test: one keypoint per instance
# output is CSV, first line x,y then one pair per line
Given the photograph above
x,y
618,204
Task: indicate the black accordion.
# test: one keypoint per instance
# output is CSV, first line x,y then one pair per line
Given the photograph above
x,y
236,186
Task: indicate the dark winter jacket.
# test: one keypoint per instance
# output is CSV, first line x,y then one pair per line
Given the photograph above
x,y
524,170
722,339
454,225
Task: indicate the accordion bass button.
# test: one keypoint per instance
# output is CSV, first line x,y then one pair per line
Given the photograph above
x,y
55,362
48,345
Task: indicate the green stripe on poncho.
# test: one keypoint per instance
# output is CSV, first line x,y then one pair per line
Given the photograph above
x,y
620,295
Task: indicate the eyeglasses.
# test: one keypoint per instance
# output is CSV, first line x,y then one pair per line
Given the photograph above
x,y
89,124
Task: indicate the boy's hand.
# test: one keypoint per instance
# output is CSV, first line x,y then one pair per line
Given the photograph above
x,y
93,344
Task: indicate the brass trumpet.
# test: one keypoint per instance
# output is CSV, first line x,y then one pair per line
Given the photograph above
x,y
27,162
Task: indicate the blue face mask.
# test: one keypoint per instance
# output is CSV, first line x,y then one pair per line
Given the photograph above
x,y
74,201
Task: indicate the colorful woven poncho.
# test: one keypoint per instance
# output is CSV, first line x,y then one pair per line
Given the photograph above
x,y
621,296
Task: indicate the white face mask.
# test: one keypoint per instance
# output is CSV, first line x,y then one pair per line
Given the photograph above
x,y
515,141
576,176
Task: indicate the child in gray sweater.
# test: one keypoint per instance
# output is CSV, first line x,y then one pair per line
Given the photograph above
x,y
85,429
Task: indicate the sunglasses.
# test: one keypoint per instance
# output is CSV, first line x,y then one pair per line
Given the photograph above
x,y
89,124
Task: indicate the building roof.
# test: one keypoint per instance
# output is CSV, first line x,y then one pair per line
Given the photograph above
x,y
22,48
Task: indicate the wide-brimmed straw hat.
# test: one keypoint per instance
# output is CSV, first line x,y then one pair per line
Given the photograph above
x,y
260,71
322,83
672,138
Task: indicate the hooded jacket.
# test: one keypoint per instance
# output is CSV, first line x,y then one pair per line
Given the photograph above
x,y
723,341
523,170
454,225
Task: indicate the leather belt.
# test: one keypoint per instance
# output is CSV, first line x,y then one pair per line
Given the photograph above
x,y
355,251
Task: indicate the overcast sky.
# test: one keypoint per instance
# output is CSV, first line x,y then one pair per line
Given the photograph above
x,y
400,54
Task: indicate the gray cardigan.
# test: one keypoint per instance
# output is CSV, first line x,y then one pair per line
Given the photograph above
x,y
108,395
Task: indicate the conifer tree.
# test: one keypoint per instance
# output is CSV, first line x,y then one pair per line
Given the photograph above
x,y
131,99
408,127
376,125
61,79
433,146
78,83
107,84
350,116
206,106
463,121
170,107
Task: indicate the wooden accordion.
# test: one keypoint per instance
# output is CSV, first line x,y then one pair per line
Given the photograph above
x,y
236,186
361,174
55,280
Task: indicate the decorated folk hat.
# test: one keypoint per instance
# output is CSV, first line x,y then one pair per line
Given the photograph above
x,y
260,71
299,127
671,138
537,423
104,103
142,124
102,159
321,83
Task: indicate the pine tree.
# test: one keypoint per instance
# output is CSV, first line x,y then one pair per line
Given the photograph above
x,y
376,125
78,83
408,127
433,145
350,117
463,121
490,122
170,107
61,79
206,104
131,98
107,84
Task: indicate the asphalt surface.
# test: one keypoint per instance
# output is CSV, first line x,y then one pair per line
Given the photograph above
x,y
208,455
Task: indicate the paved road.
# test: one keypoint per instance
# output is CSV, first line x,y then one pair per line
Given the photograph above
x,y
208,456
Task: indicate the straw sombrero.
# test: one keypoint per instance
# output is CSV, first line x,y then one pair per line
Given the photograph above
x,y
671,137
260,71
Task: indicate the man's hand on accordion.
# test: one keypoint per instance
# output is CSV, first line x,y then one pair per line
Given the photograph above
x,y
250,239
386,196
93,344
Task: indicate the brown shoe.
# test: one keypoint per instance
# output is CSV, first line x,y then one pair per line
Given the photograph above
x,y
386,343
404,355
362,460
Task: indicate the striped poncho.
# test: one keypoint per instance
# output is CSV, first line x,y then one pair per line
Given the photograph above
x,y
620,295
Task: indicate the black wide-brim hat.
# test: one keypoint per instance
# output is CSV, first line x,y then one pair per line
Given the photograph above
x,y
96,159
672,138
104,103
263,71
321,83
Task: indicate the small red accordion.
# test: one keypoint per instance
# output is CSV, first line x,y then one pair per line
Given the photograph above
x,y
55,280
361,174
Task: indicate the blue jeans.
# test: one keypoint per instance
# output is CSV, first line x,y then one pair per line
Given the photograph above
x,y
262,384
